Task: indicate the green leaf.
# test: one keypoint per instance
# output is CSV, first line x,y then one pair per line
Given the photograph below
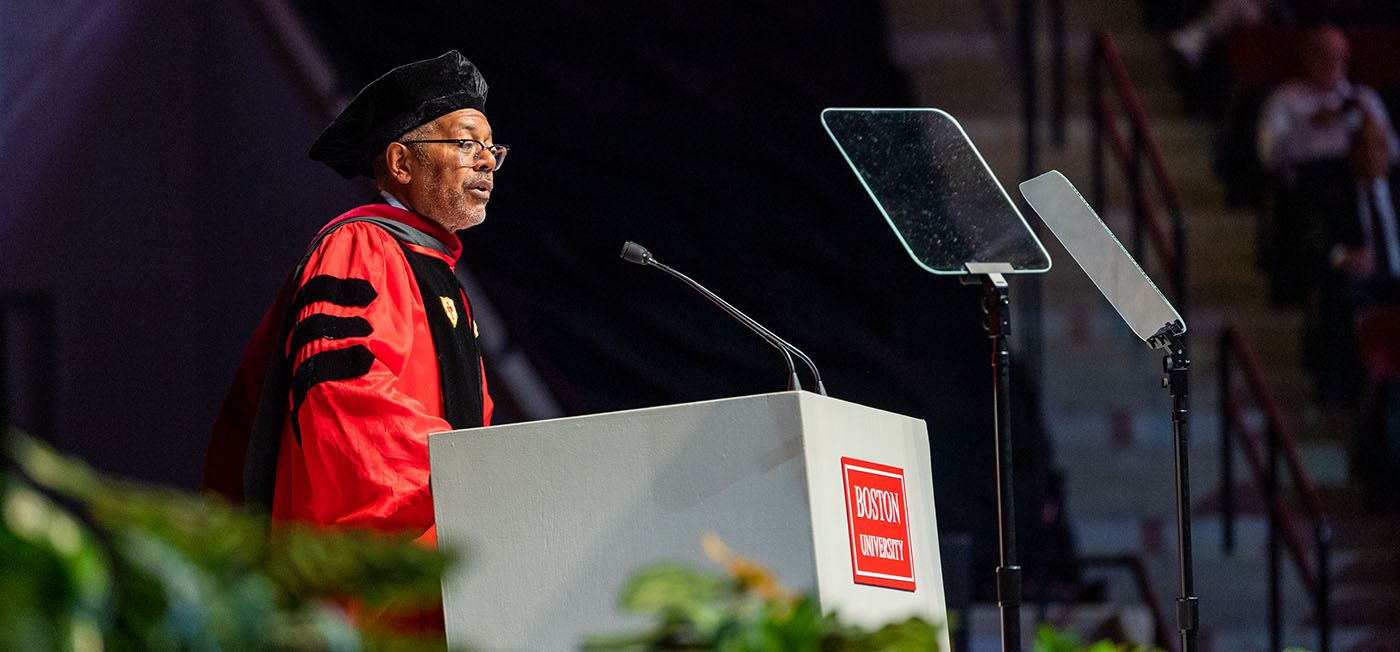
x,y
135,567
1049,639
712,611
55,585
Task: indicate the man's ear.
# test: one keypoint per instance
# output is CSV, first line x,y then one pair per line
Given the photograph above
x,y
398,162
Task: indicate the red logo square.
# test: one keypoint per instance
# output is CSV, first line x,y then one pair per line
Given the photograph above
x,y
878,517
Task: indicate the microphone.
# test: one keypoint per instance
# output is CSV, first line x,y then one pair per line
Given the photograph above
x,y
635,253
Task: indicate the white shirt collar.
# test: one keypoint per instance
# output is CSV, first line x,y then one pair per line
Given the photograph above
x,y
393,201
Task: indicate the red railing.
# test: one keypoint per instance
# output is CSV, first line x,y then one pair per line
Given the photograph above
x,y
1112,103
1263,450
1114,99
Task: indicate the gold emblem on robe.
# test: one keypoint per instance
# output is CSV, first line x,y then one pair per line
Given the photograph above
x,y
450,307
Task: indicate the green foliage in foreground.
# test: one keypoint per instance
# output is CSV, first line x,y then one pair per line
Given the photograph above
x,y
745,609
90,563
696,611
1048,639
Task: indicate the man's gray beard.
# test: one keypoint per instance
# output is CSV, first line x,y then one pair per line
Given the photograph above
x,y
470,218
455,217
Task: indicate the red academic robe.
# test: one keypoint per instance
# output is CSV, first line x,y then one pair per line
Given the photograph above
x,y
366,390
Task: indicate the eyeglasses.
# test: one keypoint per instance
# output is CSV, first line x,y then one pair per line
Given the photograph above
x,y
469,150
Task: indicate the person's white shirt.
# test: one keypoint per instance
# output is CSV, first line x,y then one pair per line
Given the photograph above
x,y
1379,191
1287,135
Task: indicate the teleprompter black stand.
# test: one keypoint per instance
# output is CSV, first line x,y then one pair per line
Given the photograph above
x,y
1175,365
996,303
953,218
1153,319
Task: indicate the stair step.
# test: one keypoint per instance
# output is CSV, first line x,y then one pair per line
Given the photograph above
x,y
1380,639
1368,606
1369,564
1364,531
1105,409
1132,620
1338,501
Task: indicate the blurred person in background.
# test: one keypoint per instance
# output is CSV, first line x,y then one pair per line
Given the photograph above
x,y
1192,40
1356,213
1311,118
1303,134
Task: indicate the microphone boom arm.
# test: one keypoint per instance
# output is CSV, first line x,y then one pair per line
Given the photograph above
x,y
635,253
752,325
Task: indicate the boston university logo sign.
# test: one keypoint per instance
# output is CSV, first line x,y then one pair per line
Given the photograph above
x,y
877,518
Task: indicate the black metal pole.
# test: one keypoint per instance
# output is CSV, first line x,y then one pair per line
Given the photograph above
x,y
1271,500
1095,91
1178,218
1030,101
1177,365
996,302
1227,436
1030,353
1322,539
1057,72
1139,193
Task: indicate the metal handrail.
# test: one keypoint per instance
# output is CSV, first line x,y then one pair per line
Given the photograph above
x,y
1132,150
1136,151
1146,211
1263,452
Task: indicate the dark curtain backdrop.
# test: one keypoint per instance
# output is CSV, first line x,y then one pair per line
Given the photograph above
x,y
693,128
172,194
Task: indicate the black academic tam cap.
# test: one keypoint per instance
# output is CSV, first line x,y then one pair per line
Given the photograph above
x,y
405,97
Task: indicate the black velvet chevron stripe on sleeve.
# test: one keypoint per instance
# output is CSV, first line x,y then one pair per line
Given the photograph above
x,y
337,364
339,291
318,326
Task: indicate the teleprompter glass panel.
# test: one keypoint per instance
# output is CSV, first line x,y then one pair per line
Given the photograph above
x,y
934,189
1103,258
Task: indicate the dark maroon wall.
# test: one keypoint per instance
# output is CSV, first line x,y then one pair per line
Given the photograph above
x,y
154,165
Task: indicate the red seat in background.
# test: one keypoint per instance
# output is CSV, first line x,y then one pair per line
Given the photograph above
x,y
1378,342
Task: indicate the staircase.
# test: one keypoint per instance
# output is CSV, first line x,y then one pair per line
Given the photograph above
x,y
1107,412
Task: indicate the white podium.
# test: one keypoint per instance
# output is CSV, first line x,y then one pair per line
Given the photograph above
x,y
835,497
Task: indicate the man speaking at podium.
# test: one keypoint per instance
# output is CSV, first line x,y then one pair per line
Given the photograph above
x,y
371,346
